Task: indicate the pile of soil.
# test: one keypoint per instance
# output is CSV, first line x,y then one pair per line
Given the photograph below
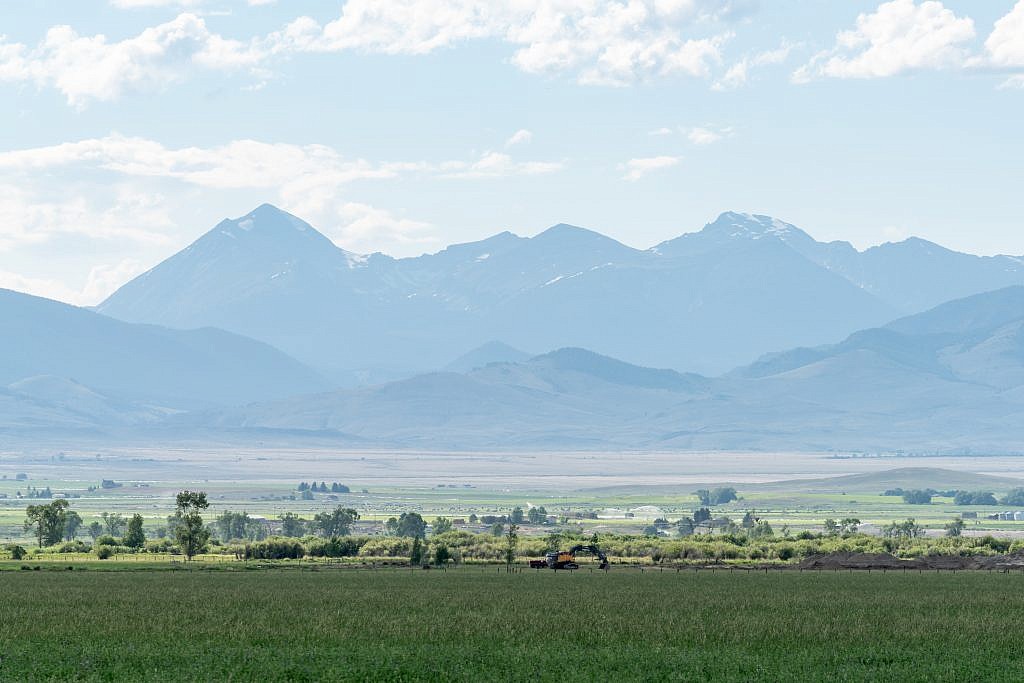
x,y
887,561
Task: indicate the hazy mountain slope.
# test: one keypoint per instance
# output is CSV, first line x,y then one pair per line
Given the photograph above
x,y
914,385
485,354
705,301
141,363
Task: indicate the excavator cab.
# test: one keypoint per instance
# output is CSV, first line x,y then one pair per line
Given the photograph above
x,y
566,559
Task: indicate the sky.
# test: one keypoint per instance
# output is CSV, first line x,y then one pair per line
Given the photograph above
x,y
131,127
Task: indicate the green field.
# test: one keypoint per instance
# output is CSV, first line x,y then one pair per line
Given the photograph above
x,y
483,624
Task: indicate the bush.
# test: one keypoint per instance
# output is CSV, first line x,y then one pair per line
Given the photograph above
x,y
17,552
104,552
73,547
275,549
107,539
347,546
161,546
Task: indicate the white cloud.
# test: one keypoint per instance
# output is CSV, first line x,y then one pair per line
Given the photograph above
x,y
1005,45
660,131
703,136
85,68
121,188
521,136
31,215
362,228
609,42
497,164
738,73
638,168
898,36
103,280
1013,82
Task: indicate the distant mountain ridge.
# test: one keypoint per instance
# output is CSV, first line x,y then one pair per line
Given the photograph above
x,y
706,301
63,355
948,380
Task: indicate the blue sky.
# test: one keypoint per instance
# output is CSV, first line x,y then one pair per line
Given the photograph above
x,y
130,127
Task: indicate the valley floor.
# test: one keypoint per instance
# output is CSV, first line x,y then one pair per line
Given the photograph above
x,y
483,624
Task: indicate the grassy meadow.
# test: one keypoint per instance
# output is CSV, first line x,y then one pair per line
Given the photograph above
x,y
483,624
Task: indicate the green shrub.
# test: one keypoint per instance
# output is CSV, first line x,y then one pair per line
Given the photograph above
x,y
275,549
104,552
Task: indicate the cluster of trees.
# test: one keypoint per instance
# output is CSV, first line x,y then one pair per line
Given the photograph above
x,y
719,496
1015,497
908,529
322,488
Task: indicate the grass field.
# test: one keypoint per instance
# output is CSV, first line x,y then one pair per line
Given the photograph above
x,y
482,624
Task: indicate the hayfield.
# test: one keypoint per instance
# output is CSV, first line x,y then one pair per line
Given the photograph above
x,y
483,624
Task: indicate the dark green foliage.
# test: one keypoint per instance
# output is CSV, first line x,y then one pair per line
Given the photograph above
x,y
974,498
114,523
275,549
517,516
917,497
292,526
1013,497
719,496
47,521
701,515
72,524
408,525
191,533
95,529
334,547
537,515
337,522
238,525
17,552
441,555
441,525
104,552
134,537
416,555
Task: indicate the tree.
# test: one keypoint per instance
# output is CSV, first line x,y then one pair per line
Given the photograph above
x,y
95,529
701,515
511,541
416,556
849,525
115,523
650,530
1013,497
974,498
748,521
72,523
761,530
955,528
191,533
135,537
917,497
441,555
17,552
472,518
441,525
47,521
292,525
831,527
411,525
239,525
704,496
337,522
685,526
517,516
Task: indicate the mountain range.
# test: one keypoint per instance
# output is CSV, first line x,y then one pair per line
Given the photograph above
x,y
703,302
263,326
948,380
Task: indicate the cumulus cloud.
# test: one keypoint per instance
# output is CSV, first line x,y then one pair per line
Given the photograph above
x,y
700,135
660,131
605,42
498,164
85,68
899,36
737,74
115,187
609,42
1005,45
521,136
362,227
102,281
637,168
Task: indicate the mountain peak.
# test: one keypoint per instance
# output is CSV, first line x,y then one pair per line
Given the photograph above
x,y
752,226
565,231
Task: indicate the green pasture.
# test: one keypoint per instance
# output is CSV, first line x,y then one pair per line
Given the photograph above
x,y
481,624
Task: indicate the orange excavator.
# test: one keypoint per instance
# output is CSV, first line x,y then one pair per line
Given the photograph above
x,y
566,559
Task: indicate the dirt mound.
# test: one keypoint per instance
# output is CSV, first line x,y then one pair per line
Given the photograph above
x,y
887,561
